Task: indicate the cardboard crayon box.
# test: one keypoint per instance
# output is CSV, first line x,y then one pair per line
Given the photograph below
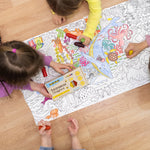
x,y
67,83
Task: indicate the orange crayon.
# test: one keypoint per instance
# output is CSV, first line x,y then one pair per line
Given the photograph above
x,y
47,127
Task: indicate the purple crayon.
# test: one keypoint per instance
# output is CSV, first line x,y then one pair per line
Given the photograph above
x,y
79,44
45,100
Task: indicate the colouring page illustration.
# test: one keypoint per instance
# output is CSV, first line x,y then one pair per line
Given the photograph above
x,y
104,62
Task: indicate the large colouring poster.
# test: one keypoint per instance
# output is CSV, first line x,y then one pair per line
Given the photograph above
x,y
104,62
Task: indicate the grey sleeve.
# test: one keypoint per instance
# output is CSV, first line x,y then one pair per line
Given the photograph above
x,y
46,148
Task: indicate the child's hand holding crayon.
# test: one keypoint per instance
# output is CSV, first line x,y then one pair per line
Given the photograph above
x,y
86,41
45,133
133,49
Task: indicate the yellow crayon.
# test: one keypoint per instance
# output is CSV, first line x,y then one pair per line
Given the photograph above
x,y
130,52
71,61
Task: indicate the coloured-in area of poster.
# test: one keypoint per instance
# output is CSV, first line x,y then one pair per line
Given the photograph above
x,y
104,62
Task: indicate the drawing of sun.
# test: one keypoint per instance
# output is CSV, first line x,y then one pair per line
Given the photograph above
x,y
112,56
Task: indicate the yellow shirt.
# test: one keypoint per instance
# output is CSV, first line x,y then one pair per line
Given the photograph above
x,y
93,18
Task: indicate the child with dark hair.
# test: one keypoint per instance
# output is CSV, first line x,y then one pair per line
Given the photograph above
x,y
18,63
63,8
138,47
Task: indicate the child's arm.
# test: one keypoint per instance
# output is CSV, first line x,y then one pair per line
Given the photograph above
x,y
73,130
46,141
93,18
3,92
136,48
47,59
148,40
10,88
32,86
56,66
39,88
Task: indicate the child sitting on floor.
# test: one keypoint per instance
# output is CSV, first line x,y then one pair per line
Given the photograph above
x,y
63,8
46,140
18,63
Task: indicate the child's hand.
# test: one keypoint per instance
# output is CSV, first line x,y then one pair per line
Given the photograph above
x,y
74,127
45,134
58,67
40,88
136,48
87,39
42,131
58,19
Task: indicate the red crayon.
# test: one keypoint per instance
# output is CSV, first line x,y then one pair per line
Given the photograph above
x,y
71,36
44,72
47,127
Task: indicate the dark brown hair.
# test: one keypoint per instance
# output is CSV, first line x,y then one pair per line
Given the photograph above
x,y
16,68
64,7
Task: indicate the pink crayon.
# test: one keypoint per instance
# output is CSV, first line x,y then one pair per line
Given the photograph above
x,y
32,44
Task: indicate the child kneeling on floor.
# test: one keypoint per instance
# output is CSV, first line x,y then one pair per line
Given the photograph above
x,y
18,63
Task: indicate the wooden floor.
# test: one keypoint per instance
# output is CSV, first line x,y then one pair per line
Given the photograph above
x,y
119,123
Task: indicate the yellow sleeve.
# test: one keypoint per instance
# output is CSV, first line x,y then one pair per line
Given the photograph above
x,y
93,18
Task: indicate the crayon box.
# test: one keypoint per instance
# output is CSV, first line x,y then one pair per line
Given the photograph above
x,y
67,83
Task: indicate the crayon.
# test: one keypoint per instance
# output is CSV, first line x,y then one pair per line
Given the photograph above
x,y
79,44
60,46
44,72
71,36
130,52
31,43
47,127
82,40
